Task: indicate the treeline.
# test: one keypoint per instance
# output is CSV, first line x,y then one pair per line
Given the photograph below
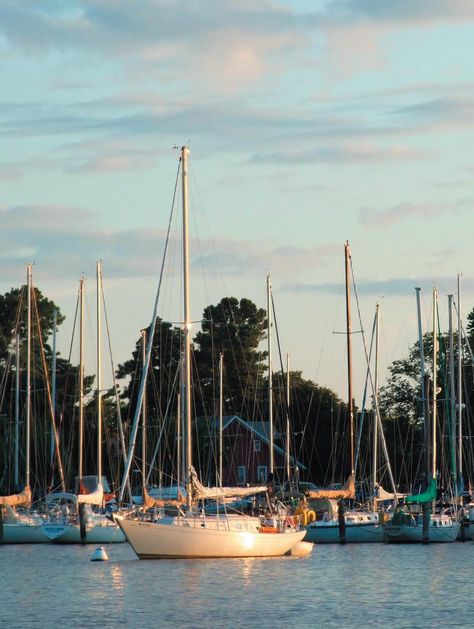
x,y
236,329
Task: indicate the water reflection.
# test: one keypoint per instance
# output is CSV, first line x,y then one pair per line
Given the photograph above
x,y
351,586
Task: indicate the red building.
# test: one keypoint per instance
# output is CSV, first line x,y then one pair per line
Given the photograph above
x,y
246,453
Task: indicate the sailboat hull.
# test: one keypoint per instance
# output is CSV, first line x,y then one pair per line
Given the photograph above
x,y
152,540
69,533
403,533
24,534
355,534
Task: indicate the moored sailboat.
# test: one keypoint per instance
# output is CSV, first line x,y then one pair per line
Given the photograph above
x,y
331,523
419,524
82,524
192,533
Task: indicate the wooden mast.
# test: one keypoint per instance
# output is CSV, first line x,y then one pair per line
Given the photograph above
x,y
350,400
187,325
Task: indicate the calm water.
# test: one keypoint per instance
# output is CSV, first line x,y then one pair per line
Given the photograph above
x,y
353,586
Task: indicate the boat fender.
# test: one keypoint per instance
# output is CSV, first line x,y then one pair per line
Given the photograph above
x,y
300,516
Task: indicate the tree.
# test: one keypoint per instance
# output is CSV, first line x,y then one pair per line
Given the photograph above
x,y
234,328
13,320
318,425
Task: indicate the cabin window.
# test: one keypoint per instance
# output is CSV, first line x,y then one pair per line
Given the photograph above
x,y
256,445
262,474
241,474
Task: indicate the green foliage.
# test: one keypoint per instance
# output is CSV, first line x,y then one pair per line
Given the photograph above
x,y
234,328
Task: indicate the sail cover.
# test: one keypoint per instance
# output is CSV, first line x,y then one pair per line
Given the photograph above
x,y
17,500
200,492
94,498
426,496
383,494
347,492
150,501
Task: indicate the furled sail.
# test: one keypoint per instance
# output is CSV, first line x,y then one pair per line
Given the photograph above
x,y
94,498
347,491
17,500
149,502
426,496
200,492
382,494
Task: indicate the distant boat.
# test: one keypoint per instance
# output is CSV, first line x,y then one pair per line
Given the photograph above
x,y
193,533
407,525
63,526
15,527
78,524
326,521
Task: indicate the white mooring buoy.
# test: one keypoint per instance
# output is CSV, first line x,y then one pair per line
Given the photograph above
x,y
99,554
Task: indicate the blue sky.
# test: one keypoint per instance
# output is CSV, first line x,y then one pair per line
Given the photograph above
x,y
309,123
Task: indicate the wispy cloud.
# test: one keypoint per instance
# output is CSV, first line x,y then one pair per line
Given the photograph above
x,y
345,153
404,211
65,241
399,286
227,42
401,12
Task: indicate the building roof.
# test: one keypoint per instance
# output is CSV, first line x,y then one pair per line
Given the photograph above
x,y
260,430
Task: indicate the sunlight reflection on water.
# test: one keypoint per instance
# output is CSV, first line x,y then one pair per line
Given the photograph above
x,y
351,586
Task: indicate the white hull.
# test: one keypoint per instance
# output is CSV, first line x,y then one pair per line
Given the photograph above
x,y
154,540
355,533
19,533
405,533
107,533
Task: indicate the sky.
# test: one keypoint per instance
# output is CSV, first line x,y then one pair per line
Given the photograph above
x,y
309,123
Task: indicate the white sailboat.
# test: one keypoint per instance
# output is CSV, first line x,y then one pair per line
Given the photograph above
x,y
423,527
15,527
76,522
193,533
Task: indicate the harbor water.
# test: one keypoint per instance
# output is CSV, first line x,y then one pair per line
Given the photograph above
x,y
373,585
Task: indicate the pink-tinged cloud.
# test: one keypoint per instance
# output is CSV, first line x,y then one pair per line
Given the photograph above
x,y
232,44
64,241
389,217
360,152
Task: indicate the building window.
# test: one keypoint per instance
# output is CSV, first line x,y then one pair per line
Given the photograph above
x,y
241,474
262,474
256,445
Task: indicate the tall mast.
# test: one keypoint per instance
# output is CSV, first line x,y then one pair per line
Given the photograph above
x,y
452,395
287,452
17,413
28,375
144,413
435,380
376,393
81,377
187,324
460,454
53,388
99,375
350,401
270,380
221,415
424,387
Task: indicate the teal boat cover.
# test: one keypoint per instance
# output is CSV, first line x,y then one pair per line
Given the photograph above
x,y
426,496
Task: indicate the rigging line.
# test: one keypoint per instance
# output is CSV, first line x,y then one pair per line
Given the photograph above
x,y
362,416
48,391
66,382
377,410
285,397
158,441
133,436
15,331
114,382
